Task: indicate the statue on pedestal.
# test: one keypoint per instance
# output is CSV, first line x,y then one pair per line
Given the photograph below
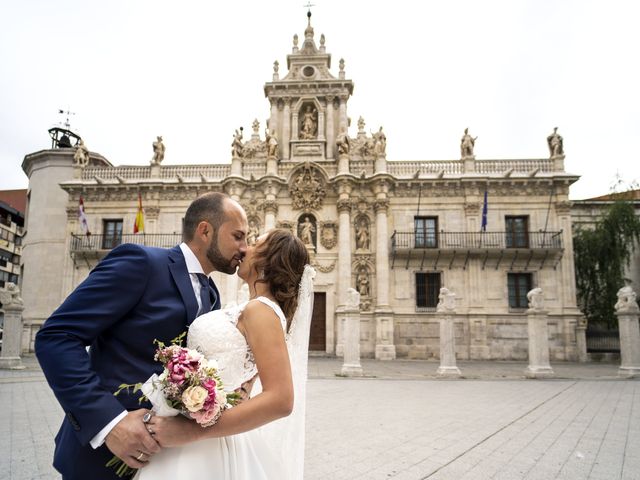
x,y
535,299
362,236
626,301
271,140
342,142
237,147
467,144
554,141
158,151
380,142
81,155
306,231
309,126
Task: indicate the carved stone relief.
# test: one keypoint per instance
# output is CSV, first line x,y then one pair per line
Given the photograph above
x,y
328,234
306,191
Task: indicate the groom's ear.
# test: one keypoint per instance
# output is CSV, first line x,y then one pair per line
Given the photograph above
x,y
205,230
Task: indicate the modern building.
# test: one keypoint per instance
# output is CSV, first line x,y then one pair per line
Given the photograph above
x,y
11,237
489,230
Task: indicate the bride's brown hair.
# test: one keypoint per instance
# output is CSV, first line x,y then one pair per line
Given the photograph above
x,y
280,259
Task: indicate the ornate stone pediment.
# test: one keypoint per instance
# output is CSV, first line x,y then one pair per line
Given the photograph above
x,y
306,190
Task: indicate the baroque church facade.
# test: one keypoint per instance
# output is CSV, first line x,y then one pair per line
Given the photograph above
x,y
396,231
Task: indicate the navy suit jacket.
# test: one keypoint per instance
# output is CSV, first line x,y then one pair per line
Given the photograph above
x,y
134,296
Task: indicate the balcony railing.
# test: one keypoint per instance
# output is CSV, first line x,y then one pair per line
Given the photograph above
x,y
96,243
475,240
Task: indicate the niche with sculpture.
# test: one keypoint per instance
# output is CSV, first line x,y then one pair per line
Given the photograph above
x,y
308,127
362,233
307,231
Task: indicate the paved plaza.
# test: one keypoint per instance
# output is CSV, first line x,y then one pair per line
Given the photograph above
x,y
402,422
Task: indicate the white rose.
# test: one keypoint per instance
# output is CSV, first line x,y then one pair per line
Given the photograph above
x,y
194,397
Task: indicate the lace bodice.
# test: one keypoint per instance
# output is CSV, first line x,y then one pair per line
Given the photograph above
x,y
216,336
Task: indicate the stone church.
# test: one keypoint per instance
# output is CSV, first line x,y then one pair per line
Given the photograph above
x,y
397,231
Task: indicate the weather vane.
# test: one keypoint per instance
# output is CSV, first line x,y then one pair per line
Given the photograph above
x,y
308,6
66,123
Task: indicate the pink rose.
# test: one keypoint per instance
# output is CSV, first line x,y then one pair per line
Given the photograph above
x,y
206,415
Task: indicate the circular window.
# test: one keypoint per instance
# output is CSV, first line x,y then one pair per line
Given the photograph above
x,y
308,71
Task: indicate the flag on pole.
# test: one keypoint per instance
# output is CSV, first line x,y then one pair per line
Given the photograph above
x,y
138,227
84,224
483,227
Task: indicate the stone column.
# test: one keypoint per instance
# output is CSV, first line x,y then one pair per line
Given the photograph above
x,y
385,347
294,126
273,119
331,139
446,311
286,129
581,339
343,112
236,166
351,335
627,312
12,334
321,124
344,260
538,337
270,210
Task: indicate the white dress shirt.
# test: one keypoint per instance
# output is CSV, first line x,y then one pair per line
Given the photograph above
x,y
193,267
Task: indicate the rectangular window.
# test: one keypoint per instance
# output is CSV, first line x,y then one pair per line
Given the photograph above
x,y
427,289
519,284
517,231
112,233
426,231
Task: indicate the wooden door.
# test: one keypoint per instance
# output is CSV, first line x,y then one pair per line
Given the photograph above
x,y
318,334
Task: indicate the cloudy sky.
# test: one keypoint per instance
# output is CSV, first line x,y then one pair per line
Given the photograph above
x,y
193,71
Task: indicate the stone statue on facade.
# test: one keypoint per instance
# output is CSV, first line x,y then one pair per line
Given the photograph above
x,y
362,236
271,141
379,142
446,301
342,142
237,147
362,283
81,155
158,151
467,144
252,233
361,125
536,300
626,301
309,125
306,231
554,141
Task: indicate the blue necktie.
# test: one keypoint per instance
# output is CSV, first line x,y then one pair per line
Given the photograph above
x,y
206,293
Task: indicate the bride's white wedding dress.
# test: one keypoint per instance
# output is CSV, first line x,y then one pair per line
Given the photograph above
x,y
246,456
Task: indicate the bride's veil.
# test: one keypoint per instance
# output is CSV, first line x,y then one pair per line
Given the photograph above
x,y
287,435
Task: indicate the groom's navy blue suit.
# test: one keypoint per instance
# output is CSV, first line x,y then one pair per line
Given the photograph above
x,y
135,295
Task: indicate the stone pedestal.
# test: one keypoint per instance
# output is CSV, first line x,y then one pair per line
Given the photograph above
x,y
381,163
538,329
385,348
448,367
272,166
236,166
343,163
12,337
351,336
446,310
581,340
627,312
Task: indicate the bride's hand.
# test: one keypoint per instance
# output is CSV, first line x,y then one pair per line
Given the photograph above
x,y
174,431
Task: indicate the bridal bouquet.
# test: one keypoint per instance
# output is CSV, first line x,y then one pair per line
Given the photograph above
x,y
189,385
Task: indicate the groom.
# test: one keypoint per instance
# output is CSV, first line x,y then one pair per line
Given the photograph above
x,y
134,295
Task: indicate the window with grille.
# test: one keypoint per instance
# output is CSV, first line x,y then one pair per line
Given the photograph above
x,y
427,289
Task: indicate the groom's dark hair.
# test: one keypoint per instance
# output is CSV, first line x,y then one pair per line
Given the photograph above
x,y
209,207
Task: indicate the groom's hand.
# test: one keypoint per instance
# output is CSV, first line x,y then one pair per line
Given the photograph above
x,y
131,441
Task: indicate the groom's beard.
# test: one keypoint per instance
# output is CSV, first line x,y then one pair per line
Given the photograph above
x,y
219,262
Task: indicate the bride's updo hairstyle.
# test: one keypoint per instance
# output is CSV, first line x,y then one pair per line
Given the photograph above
x,y
280,259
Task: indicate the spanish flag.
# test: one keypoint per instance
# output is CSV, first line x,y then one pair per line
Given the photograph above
x,y
138,227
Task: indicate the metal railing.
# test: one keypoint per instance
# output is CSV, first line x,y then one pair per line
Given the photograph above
x,y
93,243
602,341
476,240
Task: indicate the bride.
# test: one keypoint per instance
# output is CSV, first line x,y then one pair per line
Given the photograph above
x,y
265,337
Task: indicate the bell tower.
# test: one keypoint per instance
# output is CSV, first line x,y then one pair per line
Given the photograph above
x,y
308,104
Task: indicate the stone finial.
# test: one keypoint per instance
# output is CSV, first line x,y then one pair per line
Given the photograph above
x,y
10,297
626,301
295,43
353,299
536,300
276,68
255,127
341,73
322,40
81,155
446,301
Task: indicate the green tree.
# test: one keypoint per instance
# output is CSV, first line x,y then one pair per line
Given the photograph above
x,y
601,255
